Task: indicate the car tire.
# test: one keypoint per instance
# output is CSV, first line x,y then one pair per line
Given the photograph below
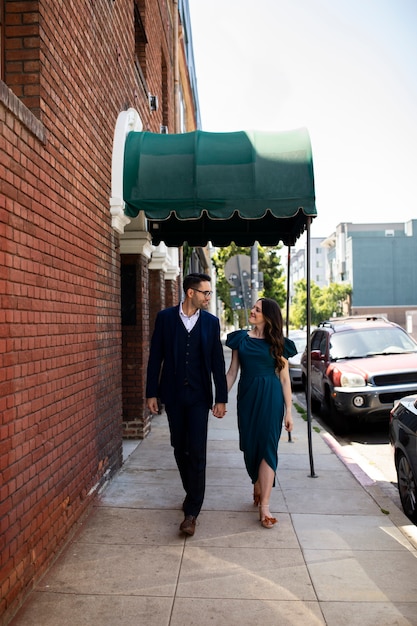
x,y
407,487
315,404
336,419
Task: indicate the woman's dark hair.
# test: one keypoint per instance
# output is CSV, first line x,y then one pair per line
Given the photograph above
x,y
273,329
194,280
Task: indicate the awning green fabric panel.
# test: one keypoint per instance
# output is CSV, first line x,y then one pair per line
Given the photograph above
x,y
220,187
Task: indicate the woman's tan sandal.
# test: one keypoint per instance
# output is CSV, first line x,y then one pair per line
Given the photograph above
x,y
266,521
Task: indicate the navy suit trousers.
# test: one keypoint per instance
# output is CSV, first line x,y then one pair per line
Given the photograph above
x,y
188,419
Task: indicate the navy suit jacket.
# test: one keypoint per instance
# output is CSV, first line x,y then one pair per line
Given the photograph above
x,y
162,365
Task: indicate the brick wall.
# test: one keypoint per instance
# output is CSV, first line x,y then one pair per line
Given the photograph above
x,y
136,418
60,323
172,292
156,295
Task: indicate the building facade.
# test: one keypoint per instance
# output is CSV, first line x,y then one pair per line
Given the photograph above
x,y
298,264
379,261
78,298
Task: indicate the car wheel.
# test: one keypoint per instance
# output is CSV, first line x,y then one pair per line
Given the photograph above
x,y
407,487
315,404
336,419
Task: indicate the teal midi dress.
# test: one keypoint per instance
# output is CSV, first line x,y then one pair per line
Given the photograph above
x,y
260,400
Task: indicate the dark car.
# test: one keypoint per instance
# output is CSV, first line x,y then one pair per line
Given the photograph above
x,y
359,367
403,437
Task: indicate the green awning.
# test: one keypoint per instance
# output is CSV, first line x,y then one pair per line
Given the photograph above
x,y
220,187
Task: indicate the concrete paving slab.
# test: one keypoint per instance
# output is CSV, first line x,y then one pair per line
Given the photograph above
x,y
223,456
369,613
238,498
149,475
131,494
247,573
153,456
334,481
244,612
322,463
355,532
338,502
116,526
242,530
362,576
232,477
57,609
117,569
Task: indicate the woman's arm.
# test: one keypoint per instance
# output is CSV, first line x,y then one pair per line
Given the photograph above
x,y
284,377
233,370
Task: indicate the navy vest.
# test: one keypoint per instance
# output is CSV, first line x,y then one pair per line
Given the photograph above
x,y
189,363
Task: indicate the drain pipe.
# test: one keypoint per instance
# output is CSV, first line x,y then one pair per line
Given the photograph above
x,y
176,70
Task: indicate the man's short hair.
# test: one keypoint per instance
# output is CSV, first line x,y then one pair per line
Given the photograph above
x,y
193,280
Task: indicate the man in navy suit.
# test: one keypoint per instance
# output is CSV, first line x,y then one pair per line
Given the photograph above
x,y
186,355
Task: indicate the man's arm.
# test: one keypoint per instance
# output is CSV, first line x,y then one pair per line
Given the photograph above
x,y
219,366
155,360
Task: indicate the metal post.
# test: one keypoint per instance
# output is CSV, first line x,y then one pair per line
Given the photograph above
x,y
239,271
254,273
308,383
287,324
288,286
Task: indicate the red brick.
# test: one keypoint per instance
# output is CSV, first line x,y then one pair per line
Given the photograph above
x,y
61,342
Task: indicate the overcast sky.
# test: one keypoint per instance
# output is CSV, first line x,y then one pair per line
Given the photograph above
x,y
344,69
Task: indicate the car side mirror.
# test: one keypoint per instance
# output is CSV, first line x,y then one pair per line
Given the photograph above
x,y
316,355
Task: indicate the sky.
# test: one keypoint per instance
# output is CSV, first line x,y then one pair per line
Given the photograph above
x,y
344,69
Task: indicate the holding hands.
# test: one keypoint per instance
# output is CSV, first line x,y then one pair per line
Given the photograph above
x,y
219,410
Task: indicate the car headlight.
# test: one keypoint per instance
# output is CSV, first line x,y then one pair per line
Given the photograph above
x,y
349,379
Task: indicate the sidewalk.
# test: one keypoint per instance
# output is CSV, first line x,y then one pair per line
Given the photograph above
x,y
334,558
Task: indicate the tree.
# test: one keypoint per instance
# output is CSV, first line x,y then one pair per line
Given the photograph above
x,y
268,262
324,303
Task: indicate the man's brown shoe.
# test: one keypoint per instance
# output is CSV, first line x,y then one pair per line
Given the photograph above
x,y
188,525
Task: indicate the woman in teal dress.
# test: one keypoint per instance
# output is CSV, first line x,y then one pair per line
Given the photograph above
x,y
264,397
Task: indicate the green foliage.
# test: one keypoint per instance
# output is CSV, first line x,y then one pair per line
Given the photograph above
x,y
325,303
186,257
269,263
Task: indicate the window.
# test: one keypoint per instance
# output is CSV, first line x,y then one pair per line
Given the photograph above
x,y
128,295
317,339
20,52
140,45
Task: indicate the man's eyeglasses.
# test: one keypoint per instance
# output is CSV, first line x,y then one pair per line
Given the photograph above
x,y
206,294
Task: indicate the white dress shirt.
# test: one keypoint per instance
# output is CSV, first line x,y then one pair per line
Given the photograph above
x,y
189,321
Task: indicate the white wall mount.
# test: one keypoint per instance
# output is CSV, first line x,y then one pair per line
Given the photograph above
x,y
127,121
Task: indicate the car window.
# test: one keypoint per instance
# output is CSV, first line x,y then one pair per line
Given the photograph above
x,y
319,342
323,344
316,339
369,342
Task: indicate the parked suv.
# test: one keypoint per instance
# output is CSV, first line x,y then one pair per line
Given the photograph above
x,y
359,367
